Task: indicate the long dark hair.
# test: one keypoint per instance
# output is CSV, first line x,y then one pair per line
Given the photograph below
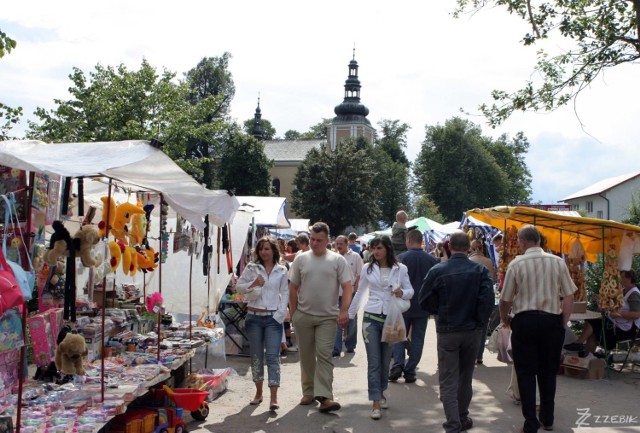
x,y
386,243
274,248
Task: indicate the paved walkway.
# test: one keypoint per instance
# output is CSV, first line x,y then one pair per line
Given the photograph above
x,y
415,408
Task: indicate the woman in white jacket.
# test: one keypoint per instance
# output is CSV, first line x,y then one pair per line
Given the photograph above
x,y
381,278
265,286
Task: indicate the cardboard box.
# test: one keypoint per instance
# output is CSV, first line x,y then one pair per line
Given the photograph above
x,y
583,368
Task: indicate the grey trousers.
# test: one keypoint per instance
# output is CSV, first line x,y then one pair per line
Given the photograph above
x,y
456,361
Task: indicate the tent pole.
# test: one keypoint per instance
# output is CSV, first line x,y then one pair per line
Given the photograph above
x,y
104,297
160,225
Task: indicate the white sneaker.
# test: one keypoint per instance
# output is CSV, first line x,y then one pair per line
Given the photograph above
x,y
383,403
376,414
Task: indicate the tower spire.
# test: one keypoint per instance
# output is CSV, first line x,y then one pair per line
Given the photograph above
x,y
257,130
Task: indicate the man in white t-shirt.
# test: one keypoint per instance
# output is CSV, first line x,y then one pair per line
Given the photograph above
x,y
315,279
355,264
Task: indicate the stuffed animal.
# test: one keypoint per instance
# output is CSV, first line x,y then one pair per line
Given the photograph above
x,y
81,243
70,353
84,240
124,212
108,215
116,255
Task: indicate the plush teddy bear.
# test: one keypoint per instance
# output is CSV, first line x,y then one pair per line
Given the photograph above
x,y
70,353
81,243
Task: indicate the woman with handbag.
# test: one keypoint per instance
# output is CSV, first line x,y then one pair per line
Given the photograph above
x,y
265,286
382,278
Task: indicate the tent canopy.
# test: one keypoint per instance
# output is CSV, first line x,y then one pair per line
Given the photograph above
x,y
268,211
133,162
560,231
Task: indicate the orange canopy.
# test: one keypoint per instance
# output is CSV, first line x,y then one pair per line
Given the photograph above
x,y
560,231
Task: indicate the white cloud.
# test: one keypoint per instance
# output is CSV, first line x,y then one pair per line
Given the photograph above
x,y
417,64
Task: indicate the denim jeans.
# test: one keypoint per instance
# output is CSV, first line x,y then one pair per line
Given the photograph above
x,y
352,336
418,326
378,356
265,334
456,361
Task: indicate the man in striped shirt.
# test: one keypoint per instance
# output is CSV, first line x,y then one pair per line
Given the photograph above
x,y
539,293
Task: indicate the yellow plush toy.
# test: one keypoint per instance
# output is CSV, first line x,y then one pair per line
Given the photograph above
x,y
116,255
108,206
124,212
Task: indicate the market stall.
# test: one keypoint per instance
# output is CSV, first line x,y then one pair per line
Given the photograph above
x,y
133,166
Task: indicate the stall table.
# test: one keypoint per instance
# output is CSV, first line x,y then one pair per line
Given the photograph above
x,y
234,313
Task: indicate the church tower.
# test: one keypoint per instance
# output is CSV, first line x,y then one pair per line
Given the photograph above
x,y
351,116
257,130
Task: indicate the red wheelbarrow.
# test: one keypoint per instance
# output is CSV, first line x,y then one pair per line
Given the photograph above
x,y
189,399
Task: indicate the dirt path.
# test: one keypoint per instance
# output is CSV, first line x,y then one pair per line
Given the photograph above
x,y
415,408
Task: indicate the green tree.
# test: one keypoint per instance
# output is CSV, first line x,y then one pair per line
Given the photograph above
x,y
424,206
456,170
8,116
510,154
292,135
211,77
211,90
6,44
317,131
633,211
393,169
394,139
327,189
268,131
244,167
602,34
111,104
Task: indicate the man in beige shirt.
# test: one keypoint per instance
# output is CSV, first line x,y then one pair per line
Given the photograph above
x,y
539,292
315,279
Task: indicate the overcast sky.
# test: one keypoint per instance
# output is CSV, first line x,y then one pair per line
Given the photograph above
x,y
417,64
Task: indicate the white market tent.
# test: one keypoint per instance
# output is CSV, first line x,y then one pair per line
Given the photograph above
x,y
268,211
133,162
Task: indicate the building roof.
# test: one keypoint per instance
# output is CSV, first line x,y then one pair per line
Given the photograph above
x,y
290,150
602,186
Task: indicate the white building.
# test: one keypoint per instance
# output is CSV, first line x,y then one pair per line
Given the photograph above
x,y
608,199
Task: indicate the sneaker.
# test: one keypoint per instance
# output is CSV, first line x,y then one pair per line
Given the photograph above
x,y
329,405
574,347
409,379
335,354
466,424
307,400
293,349
376,414
384,404
395,374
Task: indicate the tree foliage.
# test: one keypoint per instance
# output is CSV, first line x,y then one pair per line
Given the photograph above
x,y
211,77
244,167
457,171
317,131
6,44
603,34
268,131
337,187
633,211
111,104
424,206
509,154
8,116
393,170
292,135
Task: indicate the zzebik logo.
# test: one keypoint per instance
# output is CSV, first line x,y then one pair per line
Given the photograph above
x,y
588,419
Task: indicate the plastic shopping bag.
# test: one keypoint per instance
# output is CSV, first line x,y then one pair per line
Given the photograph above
x,y
394,330
504,346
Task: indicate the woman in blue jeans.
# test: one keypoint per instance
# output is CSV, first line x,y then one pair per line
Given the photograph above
x,y
382,278
265,286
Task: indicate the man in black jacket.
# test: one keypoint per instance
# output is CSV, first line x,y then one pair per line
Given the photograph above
x,y
418,262
460,293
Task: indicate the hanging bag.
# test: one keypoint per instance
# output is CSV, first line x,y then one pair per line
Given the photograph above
x,y
393,330
10,292
25,278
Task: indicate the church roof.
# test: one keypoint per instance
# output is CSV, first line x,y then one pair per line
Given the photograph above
x,y
290,150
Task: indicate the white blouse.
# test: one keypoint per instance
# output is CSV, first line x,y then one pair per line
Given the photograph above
x,y
371,285
275,291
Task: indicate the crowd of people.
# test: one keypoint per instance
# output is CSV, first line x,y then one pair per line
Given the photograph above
x,y
318,284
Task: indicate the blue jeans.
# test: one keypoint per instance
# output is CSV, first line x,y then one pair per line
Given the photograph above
x,y
418,326
352,336
378,356
264,334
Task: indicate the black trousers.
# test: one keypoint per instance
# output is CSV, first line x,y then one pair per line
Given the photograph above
x,y
536,341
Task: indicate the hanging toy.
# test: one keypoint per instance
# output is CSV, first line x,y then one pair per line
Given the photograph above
x,y
108,215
